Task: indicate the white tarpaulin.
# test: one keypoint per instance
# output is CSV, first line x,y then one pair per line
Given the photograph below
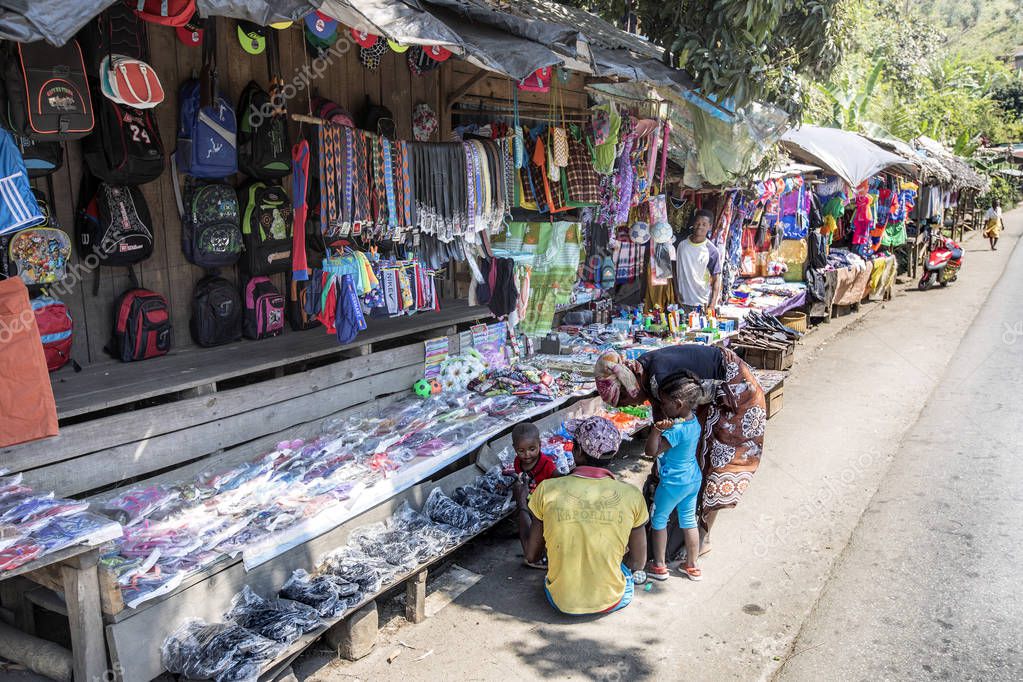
x,y
848,155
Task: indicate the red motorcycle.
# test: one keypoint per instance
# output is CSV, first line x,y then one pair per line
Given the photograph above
x,y
944,258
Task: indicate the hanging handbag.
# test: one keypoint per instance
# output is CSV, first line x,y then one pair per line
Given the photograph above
x,y
559,135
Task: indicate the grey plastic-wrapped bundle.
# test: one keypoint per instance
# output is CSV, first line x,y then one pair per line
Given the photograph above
x,y
328,594
353,565
281,620
440,536
488,505
442,509
396,546
223,652
496,482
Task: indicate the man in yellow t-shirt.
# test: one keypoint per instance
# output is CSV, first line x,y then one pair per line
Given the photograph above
x,y
588,522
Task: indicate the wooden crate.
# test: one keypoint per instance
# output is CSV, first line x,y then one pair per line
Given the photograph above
x,y
775,399
767,358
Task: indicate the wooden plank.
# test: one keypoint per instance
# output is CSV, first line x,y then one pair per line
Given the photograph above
x,y
142,425
80,475
81,594
113,384
131,641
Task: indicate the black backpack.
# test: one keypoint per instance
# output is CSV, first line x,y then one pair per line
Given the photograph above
x,y
304,303
115,224
217,312
264,147
48,94
116,30
266,228
210,233
125,148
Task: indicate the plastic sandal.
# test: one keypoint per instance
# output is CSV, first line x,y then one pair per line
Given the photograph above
x,y
691,572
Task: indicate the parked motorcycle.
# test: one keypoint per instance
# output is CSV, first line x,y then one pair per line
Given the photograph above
x,y
944,259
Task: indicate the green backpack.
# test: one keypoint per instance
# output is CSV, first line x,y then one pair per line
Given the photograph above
x,y
266,228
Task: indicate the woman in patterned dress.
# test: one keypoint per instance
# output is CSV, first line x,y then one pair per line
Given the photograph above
x,y
733,418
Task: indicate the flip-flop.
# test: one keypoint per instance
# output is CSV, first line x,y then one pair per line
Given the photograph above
x,y
541,565
691,572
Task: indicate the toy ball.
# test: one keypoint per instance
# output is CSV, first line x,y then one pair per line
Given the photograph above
x,y
661,232
639,233
422,388
435,387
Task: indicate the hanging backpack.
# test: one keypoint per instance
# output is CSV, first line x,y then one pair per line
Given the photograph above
x,y
264,147
55,330
41,158
264,309
39,255
166,12
349,320
115,224
304,299
266,228
142,327
48,92
210,233
18,206
126,148
216,312
378,119
206,124
117,30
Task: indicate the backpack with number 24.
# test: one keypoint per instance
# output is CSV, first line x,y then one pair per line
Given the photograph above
x,y
126,148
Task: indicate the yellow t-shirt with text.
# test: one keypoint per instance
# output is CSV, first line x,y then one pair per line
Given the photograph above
x,y
586,526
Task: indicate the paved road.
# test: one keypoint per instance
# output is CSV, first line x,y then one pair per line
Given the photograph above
x,y
929,585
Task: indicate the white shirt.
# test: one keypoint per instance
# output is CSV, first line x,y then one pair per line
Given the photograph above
x,y
695,266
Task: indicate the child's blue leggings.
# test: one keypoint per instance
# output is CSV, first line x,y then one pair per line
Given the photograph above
x,y
670,496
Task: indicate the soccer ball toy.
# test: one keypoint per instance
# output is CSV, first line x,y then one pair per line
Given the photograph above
x,y
422,388
639,233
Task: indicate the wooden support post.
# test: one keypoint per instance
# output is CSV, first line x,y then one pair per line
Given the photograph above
x,y
453,98
81,594
415,598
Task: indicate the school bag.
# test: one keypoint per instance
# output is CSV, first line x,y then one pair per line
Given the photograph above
x,y
116,225
264,147
210,232
166,12
41,158
142,327
18,206
304,303
126,148
55,330
264,309
266,228
207,129
40,254
216,312
48,95
206,133
116,30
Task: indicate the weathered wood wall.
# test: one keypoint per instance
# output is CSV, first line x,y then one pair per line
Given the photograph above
x,y
167,272
345,81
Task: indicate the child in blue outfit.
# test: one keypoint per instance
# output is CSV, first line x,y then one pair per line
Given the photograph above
x,y
673,443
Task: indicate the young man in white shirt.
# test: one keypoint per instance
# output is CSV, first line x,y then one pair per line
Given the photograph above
x,y
698,267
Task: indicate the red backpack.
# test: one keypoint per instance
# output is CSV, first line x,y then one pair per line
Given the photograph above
x,y
142,327
55,330
166,12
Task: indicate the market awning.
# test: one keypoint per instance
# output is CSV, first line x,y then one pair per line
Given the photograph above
x,y
848,155
963,175
57,21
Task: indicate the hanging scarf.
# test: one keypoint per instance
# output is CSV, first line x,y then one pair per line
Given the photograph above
x,y
299,187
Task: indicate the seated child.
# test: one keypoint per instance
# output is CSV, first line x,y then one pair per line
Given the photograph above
x,y
531,468
673,443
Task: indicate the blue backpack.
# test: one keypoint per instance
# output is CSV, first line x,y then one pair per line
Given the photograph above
x,y
206,134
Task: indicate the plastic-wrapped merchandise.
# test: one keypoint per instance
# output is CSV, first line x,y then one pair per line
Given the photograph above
x,y
65,531
218,651
134,506
488,505
281,620
398,547
22,506
19,554
355,566
328,594
442,509
495,481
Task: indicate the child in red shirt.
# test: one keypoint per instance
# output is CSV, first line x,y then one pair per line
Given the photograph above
x,y
531,468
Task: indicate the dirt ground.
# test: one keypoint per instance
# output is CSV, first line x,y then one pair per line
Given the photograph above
x,y
858,385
